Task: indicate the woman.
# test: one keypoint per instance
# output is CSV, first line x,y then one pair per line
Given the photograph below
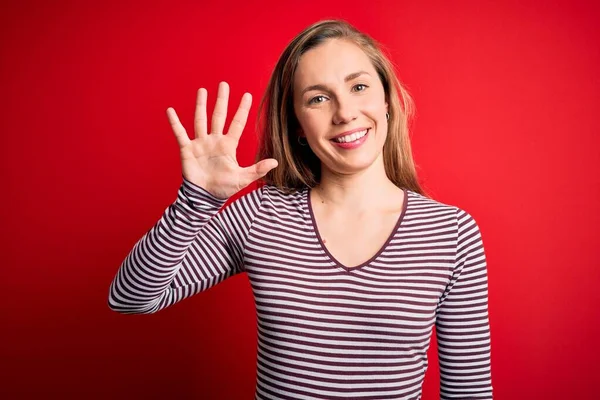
x,y
351,265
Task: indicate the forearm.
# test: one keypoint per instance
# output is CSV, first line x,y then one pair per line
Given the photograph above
x,y
142,283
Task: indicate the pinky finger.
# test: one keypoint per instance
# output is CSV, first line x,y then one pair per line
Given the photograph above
x,y
178,129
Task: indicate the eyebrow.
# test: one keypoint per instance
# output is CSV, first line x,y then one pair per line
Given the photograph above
x,y
353,75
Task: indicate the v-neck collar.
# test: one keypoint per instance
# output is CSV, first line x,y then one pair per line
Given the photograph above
x,y
330,256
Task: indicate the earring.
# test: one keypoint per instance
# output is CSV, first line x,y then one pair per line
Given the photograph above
x,y
387,116
300,142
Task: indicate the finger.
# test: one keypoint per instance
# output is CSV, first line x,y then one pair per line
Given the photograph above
x,y
241,116
257,171
180,133
220,111
200,119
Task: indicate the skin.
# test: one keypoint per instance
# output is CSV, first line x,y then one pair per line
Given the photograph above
x,y
209,159
357,206
352,180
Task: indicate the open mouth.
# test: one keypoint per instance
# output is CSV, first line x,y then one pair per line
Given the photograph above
x,y
352,137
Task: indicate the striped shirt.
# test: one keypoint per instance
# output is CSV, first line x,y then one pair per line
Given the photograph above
x,y
326,331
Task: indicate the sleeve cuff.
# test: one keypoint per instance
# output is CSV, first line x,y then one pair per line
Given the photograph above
x,y
200,198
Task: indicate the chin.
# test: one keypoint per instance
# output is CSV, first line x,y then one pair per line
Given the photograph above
x,y
355,165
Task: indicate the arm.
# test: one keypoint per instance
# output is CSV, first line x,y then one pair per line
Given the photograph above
x,y
462,324
190,249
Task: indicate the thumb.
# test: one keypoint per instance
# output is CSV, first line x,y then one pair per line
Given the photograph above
x,y
259,170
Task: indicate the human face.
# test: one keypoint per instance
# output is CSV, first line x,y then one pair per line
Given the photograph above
x,y
338,91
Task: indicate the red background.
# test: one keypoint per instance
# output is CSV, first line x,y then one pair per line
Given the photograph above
x,y
507,96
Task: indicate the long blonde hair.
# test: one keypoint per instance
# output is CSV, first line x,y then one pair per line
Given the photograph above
x,y
277,124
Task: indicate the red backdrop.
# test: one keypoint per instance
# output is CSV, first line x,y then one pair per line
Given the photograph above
x,y
507,97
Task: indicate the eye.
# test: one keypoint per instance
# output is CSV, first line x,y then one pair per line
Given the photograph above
x,y
313,100
360,85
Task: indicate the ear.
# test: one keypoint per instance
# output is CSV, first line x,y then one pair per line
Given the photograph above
x,y
386,107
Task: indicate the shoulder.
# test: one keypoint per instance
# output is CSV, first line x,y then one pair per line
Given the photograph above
x,y
448,220
265,197
420,204
431,208
279,196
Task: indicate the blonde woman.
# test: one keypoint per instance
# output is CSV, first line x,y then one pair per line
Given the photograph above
x,y
350,262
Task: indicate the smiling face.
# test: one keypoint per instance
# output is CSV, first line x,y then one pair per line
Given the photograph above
x,y
337,91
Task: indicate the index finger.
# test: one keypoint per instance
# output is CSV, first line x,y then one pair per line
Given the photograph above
x,y
241,116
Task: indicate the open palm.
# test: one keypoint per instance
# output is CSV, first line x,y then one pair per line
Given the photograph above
x,y
209,160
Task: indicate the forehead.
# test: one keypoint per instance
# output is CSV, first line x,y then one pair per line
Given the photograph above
x,y
331,62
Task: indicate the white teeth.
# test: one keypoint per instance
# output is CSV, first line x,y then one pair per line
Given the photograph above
x,y
352,137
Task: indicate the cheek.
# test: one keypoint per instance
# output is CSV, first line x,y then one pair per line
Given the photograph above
x,y
374,104
375,111
302,119
311,121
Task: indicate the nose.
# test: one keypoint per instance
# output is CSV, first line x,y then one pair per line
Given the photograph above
x,y
345,111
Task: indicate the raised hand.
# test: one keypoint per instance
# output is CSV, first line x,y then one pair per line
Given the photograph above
x,y
209,160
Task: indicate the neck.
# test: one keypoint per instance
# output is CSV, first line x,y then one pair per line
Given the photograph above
x,y
358,192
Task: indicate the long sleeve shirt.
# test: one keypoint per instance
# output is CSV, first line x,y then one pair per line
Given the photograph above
x,y
326,331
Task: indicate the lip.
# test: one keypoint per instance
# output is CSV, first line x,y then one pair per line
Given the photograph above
x,y
352,145
350,132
